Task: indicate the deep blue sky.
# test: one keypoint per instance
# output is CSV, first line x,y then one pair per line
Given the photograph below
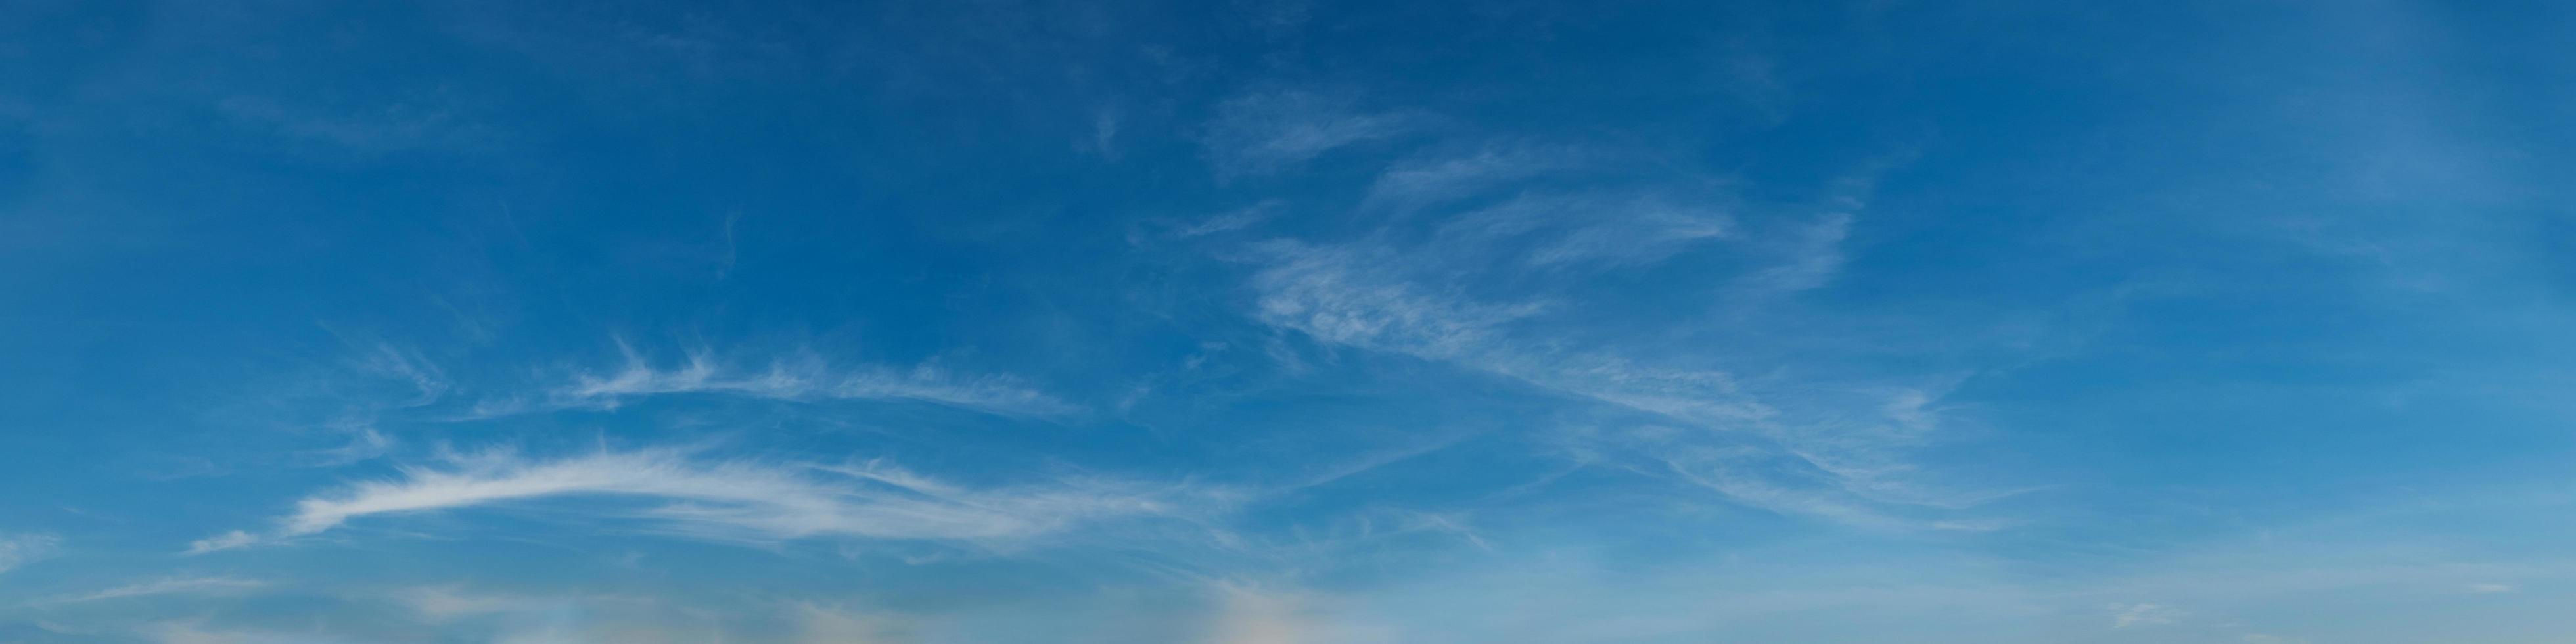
x,y
1265,322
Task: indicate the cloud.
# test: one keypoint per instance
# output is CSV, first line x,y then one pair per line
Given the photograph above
x,y
1492,261
198,632
1253,617
444,603
818,624
1433,179
1805,451
1353,296
365,444
225,541
18,549
803,377
1231,221
1265,132
454,603
1247,614
734,500
1812,255
1510,287
2490,588
193,633
349,400
2131,615
171,586
454,611
1595,230
433,125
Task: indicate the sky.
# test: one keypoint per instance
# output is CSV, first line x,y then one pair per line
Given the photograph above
x,y
1287,322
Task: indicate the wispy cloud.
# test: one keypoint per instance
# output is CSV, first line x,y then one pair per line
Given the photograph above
x,y
425,125
736,500
1248,614
171,586
1232,221
1264,132
1433,179
376,381
820,624
18,549
455,602
1499,285
365,443
1356,296
1809,257
182,632
225,541
803,377
1734,440
2142,614
1593,230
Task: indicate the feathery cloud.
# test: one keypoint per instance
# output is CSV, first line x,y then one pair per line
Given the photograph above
x,y
170,586
1264,132
2142,614
225,541
1495,286
807,377
1434,179
1811,256
18,549
733,500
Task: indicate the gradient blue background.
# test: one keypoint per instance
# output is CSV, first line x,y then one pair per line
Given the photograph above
x,y
1258,322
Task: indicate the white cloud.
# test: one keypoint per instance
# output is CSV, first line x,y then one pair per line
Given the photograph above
x,y
1352,296
394,128
735,500
198,632
1496,288
225,541
365,443
1804,451
1429,180
18,549
1248,614
1595,230
191,633
1253,617
454,603
1264,132
817,624
1231,221
805,377
442,603
1506,286
384,360
2142,614
1811,256
2490,588
171,586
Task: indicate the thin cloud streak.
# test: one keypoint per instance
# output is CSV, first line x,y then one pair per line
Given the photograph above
x,y
805,377
18,549
1483,287
1430,180
1773,456
737,500
1265,132
172,586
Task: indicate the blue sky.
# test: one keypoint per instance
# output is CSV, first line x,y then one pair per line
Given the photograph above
x,y
1255,322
